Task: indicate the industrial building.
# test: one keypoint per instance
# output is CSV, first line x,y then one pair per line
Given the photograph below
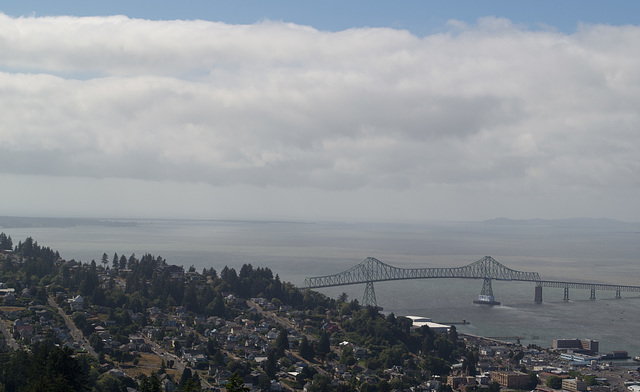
x,y
419,321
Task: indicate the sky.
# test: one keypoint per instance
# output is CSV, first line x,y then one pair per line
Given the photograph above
x,y
298,110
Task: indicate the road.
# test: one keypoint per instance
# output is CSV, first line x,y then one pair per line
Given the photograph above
x,y
11,342
76,334
285,322
178,364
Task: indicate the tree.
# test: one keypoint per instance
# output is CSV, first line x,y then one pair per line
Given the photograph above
x,y
177,350
122,264
533,381
184,379
343,297
469,363
5,242
108,383
554,382
320,383
193,384
105,260
131,261
453,334
150,384
347,357
324,345
436,366
80,320
96,342
306,350
235,384
163,368
216,307
282,342
494,387
271,366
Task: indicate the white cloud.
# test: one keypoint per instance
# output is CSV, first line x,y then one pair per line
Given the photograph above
x,y
490,105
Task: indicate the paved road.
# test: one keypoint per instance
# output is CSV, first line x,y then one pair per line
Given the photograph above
x,y
76,334
285,322
11,342
178,364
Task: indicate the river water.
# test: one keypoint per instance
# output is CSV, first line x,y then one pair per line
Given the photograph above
x,y
588,252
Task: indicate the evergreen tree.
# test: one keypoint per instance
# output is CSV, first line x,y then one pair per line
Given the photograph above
x,y
216,307
5,242
235,384
271,366
282,342
324,345
306,349
184,379
150,384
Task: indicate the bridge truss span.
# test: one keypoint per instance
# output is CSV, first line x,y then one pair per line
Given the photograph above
x,y
374,270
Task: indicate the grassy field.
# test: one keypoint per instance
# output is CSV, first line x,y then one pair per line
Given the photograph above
x,y
8,309
147,363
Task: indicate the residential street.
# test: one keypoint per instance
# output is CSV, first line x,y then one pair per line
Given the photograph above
x,y
11,342
73,330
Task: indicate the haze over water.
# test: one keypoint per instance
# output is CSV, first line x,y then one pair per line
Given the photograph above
x,y
590,251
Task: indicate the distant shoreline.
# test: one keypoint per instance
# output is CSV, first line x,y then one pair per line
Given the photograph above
x,y
18,222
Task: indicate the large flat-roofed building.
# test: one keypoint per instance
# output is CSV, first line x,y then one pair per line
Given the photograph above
x,y
516,380
574,385
419,321
587,346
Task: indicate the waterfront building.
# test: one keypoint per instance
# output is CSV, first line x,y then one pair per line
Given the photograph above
x,y
419,321
586,346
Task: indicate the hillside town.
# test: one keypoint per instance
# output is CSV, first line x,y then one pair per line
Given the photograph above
x,y
145,325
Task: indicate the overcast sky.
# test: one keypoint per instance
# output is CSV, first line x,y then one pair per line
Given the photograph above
x,y
395,114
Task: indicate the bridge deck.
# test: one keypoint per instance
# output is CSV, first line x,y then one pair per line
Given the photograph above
x,y
373,270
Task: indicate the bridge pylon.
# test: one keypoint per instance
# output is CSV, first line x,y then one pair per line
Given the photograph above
x,y
369,298
486,294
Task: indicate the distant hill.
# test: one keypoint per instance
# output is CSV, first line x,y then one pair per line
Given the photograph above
x,y
28,222
571,222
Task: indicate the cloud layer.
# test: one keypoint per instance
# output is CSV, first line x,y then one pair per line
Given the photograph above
x,y
488,105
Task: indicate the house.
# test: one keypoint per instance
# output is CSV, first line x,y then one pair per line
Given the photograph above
x,y
181,312
167,383
23,329
150,331
170,324
175,271
76,303
272,334
359,352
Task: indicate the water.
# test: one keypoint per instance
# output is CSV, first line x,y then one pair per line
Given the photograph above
x,y
591,253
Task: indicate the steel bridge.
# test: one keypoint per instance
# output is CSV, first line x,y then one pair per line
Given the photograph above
x,y
373,270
